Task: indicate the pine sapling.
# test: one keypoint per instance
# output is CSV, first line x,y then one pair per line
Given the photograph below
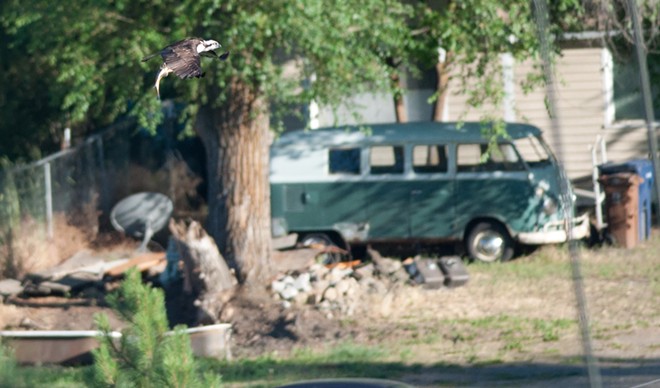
x,y
146,355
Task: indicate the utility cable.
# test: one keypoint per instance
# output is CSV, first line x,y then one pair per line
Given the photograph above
x,y
541,16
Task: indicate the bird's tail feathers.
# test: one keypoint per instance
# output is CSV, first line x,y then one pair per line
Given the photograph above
x,y
148,57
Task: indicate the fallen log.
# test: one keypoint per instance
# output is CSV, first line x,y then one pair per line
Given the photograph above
x,y
206,274
143,262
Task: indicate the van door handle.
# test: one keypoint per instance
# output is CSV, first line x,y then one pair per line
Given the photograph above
x,y
310,198
416,192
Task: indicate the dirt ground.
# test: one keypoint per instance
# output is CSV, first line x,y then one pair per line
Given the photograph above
x,y
518,312
260,325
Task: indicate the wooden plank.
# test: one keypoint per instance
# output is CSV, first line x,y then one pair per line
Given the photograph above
x,y
9,287
80,261
344,264
142,262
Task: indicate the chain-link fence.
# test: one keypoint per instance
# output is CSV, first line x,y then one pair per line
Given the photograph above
x,y
64,199
69,187
65,182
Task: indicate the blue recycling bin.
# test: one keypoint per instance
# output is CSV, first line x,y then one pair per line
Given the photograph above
x,y
643,168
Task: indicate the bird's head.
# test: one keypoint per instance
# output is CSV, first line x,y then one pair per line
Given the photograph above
x,y
207,45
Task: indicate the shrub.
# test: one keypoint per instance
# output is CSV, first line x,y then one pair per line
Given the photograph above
x,y
8,375
146,355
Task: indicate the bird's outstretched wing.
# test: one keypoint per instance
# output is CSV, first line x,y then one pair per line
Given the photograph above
x,y
148,57
213,54
184,61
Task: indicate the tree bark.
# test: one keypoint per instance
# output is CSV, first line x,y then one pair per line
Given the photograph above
x,y
399,104
397,86
442,70
205,273
236,136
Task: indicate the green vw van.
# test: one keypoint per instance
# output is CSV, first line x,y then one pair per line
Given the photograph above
x,y
420,183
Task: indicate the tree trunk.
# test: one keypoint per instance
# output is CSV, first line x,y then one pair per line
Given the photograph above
x,y
236,137
397,86
442,70
206,275
399,104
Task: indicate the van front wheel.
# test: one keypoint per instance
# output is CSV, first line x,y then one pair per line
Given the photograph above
x,y
331,253
316,240
489,242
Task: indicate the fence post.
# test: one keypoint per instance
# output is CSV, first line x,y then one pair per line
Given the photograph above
x,y
49,199
104,188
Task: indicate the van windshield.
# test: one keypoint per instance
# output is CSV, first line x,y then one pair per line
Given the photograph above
x,y
477,158
534,151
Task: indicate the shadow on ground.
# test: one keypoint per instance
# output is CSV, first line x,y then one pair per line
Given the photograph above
x,y
614,373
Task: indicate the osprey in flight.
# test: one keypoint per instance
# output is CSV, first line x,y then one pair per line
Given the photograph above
x,y
183,58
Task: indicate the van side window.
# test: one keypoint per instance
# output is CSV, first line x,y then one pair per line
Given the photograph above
x,y
472,158
344,161
428,159
386,160
533,151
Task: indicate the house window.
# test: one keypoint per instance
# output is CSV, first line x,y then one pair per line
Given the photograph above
x,y
386,160
626,89
344,161
428,159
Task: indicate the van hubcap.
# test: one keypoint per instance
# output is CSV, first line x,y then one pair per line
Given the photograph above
x,y
316,241
489,245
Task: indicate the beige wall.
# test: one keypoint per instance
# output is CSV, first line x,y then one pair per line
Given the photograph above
x,y
582,98
580,102
582,76
458,108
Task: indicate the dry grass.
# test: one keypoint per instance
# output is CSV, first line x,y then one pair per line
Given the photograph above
x,y
114,245
29,249
175,180
9,315
526,310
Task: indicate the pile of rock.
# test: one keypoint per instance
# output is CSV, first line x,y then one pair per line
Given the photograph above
x,y
339,289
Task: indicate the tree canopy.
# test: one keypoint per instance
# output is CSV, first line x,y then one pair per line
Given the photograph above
x,y
82,63
79,66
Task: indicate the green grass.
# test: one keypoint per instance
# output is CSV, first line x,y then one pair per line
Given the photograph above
x,y
655,280
544,263
51,376
13,376
550,330
512,335
344,360
511,331
611,263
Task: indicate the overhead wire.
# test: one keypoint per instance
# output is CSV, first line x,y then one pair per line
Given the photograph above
x,y
593,369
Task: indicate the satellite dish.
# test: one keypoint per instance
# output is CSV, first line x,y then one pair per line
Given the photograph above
x,y
141,215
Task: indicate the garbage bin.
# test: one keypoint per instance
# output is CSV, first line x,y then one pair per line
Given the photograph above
x,y
643,168
622,204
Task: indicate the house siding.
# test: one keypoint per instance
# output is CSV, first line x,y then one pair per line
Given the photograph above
x,y
583,101
579,102
582,105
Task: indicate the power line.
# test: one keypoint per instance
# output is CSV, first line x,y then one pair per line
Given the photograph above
x,y
541,15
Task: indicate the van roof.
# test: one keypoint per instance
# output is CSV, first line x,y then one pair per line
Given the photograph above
x,y
395,132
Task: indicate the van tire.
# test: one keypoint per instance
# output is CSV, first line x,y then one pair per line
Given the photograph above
x,y
321,241
488,242
312,239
